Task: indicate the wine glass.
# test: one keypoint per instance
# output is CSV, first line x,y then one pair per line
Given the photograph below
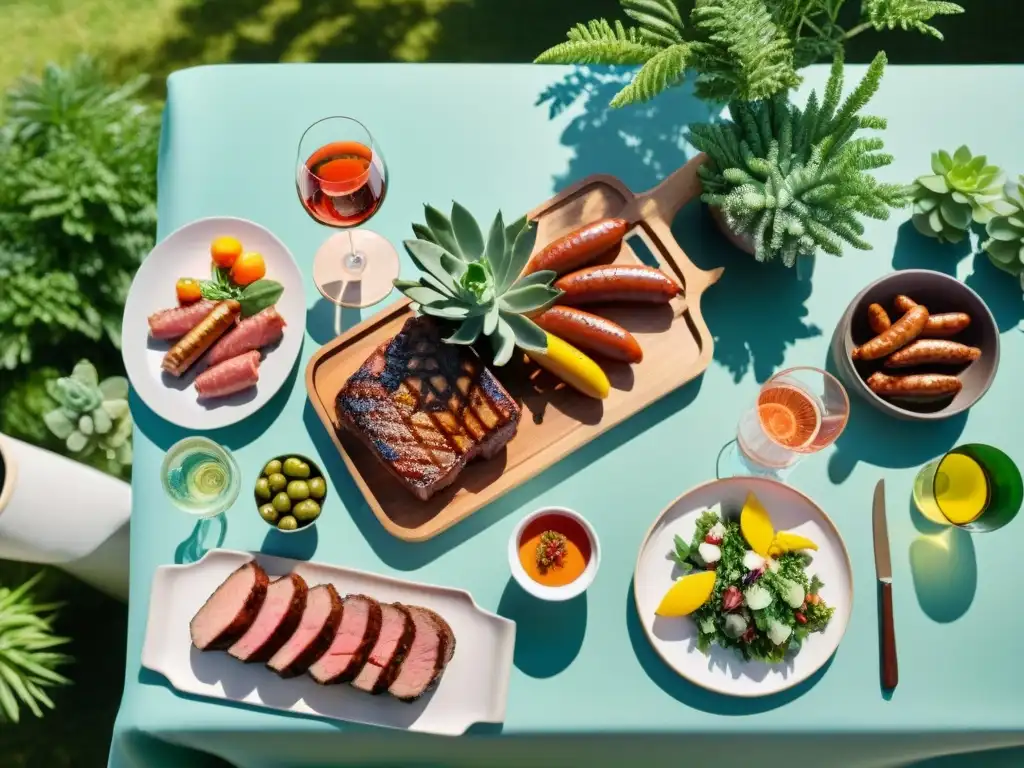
x,y
341,180
798,411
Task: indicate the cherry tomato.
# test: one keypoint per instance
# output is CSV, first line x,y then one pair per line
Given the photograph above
x,y
248,268
188,290
225,250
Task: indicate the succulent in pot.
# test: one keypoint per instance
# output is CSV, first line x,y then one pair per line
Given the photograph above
x,y
1005,243
474,285
791,180
962,189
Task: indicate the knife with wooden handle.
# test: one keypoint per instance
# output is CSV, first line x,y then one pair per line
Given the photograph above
x,y
883,570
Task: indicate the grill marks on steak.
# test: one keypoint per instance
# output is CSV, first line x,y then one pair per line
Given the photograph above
x,y
314,634
277,620
231,609
378,647
357,633
427,655
396,635
425,408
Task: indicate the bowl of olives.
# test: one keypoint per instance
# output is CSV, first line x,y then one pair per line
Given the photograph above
x,y
290,492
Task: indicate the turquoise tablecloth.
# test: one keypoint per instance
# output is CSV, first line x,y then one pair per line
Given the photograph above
x,y
508,137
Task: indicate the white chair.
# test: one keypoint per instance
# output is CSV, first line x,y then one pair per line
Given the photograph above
x,y
56,511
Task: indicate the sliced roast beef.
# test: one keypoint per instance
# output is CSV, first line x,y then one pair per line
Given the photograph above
x,y
432,648
396,635
231,609
316,629
276,621
356,635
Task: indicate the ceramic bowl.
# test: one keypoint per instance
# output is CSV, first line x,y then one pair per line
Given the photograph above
x,y
543,591
314,471
940,293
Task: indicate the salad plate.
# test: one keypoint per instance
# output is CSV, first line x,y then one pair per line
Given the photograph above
x,y
185,253
735,671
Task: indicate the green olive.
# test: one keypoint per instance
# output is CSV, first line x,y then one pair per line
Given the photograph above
x,y
317,488
277,482
294,467
307,511
287,523
263,489
273,467
268,513
282,503
298,490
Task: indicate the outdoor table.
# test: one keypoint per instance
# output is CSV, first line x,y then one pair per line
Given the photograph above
x,y
586,687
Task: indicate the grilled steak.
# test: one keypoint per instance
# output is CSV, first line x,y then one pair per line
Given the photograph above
x,y
356,636
276,621
316,629
231,609
426,408
396,635
431,650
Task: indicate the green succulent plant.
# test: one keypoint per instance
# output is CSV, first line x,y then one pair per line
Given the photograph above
x,y
962,189
476,284
1005,244
27,661
793,180
92,416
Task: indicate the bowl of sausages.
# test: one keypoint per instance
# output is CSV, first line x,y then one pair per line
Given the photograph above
x,y
918,345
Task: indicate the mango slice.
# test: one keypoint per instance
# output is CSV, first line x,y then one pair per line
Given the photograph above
x,y
756,526
687,595
791,542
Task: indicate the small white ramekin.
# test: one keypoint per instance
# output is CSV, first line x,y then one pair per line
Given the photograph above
x,y
542,591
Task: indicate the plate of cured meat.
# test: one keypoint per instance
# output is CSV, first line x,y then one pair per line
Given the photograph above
x,y
213,323
328,641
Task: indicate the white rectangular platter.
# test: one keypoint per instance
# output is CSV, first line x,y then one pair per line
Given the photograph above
x,y
474,687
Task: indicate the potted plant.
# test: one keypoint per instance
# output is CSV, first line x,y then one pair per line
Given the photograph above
x,y
785,181
735,49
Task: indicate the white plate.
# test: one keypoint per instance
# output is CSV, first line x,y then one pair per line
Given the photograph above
x,y
473,689
186,253
723,670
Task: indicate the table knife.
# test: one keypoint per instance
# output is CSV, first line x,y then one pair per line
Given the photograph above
x,y
883,570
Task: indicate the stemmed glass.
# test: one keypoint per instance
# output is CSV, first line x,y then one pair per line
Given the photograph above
x,y
798,412
341,180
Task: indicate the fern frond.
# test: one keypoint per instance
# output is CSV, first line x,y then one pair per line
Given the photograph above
x,y
745,55
659,20
908,14
598,42
663,70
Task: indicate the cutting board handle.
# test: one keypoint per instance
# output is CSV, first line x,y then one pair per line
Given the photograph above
x,y
676,190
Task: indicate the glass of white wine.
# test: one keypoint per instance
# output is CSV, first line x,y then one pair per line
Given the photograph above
x,y
200,477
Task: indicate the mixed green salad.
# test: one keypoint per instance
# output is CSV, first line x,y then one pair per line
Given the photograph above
x,y
762,606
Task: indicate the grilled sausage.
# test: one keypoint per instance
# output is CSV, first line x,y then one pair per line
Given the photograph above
x,y
917,385
591,333
878,318
901,333
635,283
579,247
932,352
940,326
193,344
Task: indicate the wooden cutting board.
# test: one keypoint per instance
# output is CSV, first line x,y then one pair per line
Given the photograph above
x,y
556,419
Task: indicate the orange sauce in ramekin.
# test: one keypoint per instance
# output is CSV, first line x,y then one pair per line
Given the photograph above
x,y
577,547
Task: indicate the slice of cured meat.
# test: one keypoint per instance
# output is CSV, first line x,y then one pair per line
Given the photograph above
x,y
277,620
254,332
357,633
229,377
432,648
231,609
396,635
175,322
314,634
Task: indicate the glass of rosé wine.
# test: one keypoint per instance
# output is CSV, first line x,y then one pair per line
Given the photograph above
x,y
341,180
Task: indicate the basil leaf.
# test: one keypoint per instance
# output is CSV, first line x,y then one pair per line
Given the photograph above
x,y
259,295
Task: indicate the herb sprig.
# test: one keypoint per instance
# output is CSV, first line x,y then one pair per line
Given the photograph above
x,y
254,297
